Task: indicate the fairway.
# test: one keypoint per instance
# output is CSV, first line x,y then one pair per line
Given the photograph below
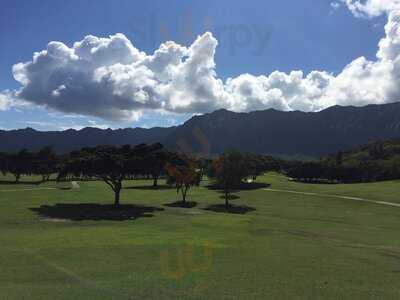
x,y
58,243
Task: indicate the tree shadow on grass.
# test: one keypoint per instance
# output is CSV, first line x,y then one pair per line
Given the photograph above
x,y
187,204
245,186
232,209
150,187
95,212
13,182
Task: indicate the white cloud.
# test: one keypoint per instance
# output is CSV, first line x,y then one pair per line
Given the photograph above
x,y
60,124
111,79
95,124
281,91
4,101
335,5
371,8
8,99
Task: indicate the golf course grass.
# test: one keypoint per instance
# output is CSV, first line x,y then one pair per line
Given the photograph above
x,y
293,241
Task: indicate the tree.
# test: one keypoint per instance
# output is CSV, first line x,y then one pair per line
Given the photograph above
x,y
3,163
256,165
107,163
377,150
45,163
311,171
155,159
229,169
184,173
20,163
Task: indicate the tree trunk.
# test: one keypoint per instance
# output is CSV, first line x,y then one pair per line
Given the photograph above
x,y
184,195
155,182
226,200
117,191
116,202
17,177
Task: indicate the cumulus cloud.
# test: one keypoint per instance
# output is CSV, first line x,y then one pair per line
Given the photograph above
x,y
4,101
8,100
371,8
111,79
360,83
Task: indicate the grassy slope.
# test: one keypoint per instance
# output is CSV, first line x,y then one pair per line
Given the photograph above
x,y
291,247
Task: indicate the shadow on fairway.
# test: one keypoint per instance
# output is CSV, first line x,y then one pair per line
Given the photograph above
x,y
9,182
95,212
65,188
243,187
232,209
187,204
150,187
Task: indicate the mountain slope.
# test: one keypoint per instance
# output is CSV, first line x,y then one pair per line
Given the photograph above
x,y
290,133
268,131
65,141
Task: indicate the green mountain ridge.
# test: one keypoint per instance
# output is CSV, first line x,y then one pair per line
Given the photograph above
x,y
294,133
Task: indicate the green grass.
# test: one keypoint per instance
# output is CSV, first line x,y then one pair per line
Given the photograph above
x,y
291,246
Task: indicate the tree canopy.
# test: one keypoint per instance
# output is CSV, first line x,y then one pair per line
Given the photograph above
x,y
229,170
183,172
111,164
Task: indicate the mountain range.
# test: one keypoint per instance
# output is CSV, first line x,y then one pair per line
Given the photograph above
x,y
267,132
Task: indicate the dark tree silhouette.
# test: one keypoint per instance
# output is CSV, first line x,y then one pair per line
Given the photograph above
x,y
113,165
3,163
107,163
229,169
155,160
20,163
45,162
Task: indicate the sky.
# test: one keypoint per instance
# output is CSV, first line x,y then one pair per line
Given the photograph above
x,y
125,63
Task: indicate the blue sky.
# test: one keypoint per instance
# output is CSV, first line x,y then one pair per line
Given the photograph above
x,y
255,36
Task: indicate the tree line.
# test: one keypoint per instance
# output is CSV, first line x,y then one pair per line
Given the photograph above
x,y
115,164
377,161
43,163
